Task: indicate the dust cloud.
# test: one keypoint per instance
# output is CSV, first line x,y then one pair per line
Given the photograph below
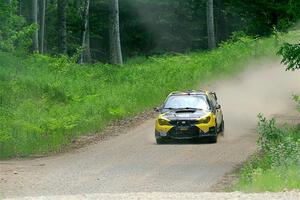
x,y
261,88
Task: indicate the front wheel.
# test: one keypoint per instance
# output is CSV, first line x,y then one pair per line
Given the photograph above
x,y
159,141
213,139
222,128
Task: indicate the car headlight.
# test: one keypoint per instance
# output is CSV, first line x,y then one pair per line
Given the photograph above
x,y
204,120
163,122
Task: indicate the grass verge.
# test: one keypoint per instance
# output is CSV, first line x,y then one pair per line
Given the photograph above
x,y
276,168
47,102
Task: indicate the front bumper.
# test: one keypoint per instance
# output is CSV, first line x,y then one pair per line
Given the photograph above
x,y
191,133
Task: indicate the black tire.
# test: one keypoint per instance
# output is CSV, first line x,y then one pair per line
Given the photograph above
x,y
213,139
222,128
159,141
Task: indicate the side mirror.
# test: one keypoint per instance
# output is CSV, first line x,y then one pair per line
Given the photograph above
x,y
215,95
157,109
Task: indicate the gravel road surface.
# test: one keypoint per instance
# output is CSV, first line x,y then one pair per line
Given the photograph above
x,y
133,163
293,195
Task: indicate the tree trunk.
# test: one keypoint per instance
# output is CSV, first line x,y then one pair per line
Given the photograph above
x,y
20,7
211,25
221,21
115,41
62,26
42,25
86,52
35,41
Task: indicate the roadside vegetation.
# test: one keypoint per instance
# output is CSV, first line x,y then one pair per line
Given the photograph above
x,y
48,102
276,167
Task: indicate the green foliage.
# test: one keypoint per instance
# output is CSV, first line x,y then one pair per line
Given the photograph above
x,y
148,27
237,35
48,102
280,146
290,56
277,167
272,180
260,16
14,34
269,134
296,98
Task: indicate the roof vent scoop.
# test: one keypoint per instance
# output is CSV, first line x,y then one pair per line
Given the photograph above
x,y
185,111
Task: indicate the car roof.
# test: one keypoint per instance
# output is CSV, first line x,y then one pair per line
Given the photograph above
x,y
189,92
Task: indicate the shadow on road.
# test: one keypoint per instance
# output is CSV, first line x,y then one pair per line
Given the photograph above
x,y
187,142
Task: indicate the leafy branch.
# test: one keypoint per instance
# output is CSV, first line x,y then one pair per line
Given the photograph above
x,y
291,56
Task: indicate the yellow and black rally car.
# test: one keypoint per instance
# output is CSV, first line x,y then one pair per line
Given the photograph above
x,y
189,115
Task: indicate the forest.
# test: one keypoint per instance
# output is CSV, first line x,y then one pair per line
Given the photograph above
x,y
109,31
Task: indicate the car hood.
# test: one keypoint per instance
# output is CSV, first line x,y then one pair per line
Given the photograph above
x,y
184,114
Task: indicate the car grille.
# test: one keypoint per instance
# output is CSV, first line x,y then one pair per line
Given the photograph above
x,y
183,122
184,132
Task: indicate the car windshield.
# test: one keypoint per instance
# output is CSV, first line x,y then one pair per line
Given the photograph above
x,y
187,101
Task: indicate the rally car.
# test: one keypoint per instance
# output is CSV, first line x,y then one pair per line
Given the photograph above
x,y
189,115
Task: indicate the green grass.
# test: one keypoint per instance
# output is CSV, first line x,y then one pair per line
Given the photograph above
x,y
47,102
272,180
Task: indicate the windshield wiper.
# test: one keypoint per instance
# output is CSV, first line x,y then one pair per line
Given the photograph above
x,y
189,108
171,108
186,108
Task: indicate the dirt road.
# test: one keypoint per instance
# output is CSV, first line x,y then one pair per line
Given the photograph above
x,y
132,162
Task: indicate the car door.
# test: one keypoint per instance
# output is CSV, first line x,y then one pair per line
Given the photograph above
x,y
217,108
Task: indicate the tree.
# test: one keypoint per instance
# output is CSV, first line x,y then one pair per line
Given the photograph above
x,y
15,34
115,41
42,26
86,52
291,56
147,26
260,16
20,7
211,25
62,26
35,40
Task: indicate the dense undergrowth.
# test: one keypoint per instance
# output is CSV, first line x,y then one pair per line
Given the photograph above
x,y
47,102
276,168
